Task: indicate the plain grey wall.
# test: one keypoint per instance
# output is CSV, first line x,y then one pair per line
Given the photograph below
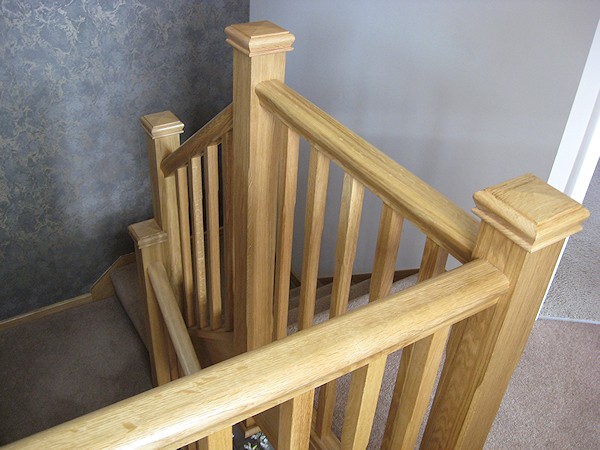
x,y
74,80
465,94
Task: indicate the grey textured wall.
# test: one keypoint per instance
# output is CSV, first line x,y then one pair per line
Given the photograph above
x,y
75,77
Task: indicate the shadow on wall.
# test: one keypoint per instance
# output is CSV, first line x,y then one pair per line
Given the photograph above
x,y
73,173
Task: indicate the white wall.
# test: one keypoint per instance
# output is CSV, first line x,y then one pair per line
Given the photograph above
x,y
465,94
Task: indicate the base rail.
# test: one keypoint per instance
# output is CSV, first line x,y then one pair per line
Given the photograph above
x,y
215,398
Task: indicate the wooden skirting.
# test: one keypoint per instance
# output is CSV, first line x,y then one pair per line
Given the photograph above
x,y
45,311
101,289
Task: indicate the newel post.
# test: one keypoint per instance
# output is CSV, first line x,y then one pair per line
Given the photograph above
x,y
258,55
162,136
524,224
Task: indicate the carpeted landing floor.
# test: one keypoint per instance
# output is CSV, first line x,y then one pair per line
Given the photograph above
x,y
82,359
66,365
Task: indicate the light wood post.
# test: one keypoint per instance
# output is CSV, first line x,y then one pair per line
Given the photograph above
x,y
524,224
259,55
149,239
162,133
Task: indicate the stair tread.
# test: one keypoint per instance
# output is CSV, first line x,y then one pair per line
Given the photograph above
x,y
127,288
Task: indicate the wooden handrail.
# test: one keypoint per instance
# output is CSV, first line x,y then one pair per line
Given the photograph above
x,y
173,319
190,408
447,224
209,134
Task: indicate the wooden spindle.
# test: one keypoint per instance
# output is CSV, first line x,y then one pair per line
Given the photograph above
x,y
348,226
386,252
221,440
318,177
362,402
288,175
227,156
295,419
211,179
418,369
181,177
198,234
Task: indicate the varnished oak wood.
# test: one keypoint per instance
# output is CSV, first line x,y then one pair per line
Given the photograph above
x,y
530,212
361,404
288,174
418,369
295,418
196,191
227,157
209,134
347,237
220,440
216,397
447,224
258,55
484,350
316,196
386,252
49,310
212,347
173,318
182,343
149,239
211,167
103,287
162,133
183,206
259,38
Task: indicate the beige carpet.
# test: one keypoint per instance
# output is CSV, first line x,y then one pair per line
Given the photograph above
x,y
66,365
575,291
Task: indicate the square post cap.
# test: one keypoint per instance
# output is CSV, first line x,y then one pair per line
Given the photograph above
x,y
161,124
530,212
259,38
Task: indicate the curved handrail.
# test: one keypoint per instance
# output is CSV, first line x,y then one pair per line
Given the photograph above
x,y
447,224
197,143
195,406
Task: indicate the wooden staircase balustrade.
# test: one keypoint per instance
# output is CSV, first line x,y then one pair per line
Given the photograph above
x,y
447,224
213,399
263,127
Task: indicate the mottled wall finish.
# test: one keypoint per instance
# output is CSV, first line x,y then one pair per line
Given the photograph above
x,y
74,80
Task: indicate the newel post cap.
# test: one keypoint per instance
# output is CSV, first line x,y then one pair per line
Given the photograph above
x,y
161,124
530,212
259,38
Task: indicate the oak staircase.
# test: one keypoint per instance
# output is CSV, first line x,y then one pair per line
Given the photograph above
x,y
217,302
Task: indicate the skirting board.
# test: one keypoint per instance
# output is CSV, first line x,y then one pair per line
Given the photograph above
x,y
101,289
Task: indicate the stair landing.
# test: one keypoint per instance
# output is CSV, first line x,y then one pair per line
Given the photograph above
x,y
66,365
